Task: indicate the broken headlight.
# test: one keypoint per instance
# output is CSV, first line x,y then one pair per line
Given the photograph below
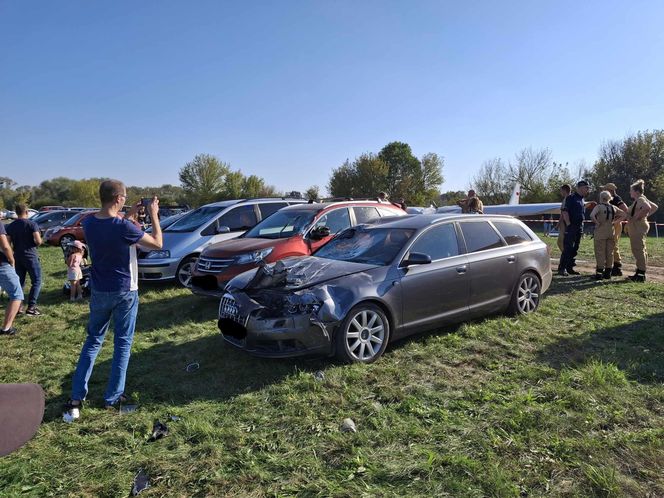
x,y
253,257
303,308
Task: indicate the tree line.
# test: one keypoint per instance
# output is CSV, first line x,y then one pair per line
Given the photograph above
x,y
394,170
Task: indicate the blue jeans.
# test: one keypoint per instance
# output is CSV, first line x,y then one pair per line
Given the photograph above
x,y
31,266
122,307
9,282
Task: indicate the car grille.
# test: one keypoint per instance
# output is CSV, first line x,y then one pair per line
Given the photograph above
x,y
229,309
212,265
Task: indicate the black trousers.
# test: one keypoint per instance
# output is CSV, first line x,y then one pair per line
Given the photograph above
x,y
571,243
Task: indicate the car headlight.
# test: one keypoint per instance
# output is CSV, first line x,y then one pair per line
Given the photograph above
x,y
253,257
303,308
158,255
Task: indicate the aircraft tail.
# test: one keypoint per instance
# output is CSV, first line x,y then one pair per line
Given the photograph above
x,y
516,195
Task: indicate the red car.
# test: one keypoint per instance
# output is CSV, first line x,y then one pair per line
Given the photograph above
x,y
292,231
70,231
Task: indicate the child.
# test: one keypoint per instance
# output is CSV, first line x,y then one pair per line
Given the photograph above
x,y
605,215
74,273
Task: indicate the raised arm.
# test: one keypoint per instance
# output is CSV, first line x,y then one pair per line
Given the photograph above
x,y
154,240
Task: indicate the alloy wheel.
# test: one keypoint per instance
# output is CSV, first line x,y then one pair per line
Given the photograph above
x,y
365,335
528,294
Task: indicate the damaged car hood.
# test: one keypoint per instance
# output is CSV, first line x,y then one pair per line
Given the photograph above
x,y
296,273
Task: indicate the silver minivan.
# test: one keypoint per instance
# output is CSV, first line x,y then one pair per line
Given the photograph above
x,y
185,239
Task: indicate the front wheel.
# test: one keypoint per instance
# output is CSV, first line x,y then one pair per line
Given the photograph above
x,y
363,335
65,240
185,269
526,295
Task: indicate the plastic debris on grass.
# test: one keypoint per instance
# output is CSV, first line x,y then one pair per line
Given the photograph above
x,y
141,482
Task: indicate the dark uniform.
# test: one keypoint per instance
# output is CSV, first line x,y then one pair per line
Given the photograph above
x,y
573,232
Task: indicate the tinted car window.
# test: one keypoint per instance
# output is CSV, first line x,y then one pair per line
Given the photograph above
x,y
270,208
336,220
282,225
513,233
376,246
194,219
480,236
239,218
365,214
438,242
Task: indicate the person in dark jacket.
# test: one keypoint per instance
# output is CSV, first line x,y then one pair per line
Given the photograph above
x,y
572,214
25,237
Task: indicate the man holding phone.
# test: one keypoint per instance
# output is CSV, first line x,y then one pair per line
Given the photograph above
x,y
112,242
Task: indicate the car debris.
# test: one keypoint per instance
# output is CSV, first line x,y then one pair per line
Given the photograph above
x,y
124,409
141,482
348,425
159,430
192,367
319,375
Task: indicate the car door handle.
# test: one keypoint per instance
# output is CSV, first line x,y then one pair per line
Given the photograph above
x,y
461,269
511,259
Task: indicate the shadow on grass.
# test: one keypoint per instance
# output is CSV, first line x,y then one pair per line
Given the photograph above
x,y
637,348
158,374
564,285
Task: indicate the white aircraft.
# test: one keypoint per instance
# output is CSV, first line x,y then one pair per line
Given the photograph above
x,y
512,208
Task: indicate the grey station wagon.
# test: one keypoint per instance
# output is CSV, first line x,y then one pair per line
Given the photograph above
x,y
382,281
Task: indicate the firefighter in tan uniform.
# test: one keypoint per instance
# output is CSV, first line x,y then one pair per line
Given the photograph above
x,y
617,201
605,215
637,225
564,192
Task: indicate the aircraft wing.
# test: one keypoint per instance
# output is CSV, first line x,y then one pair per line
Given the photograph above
x,y
511,209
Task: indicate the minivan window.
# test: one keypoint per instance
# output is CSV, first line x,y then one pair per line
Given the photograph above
x,y
72,221
480,236
336,220
365,214
239,218
194,219
513,233
438,242
283,224
270,208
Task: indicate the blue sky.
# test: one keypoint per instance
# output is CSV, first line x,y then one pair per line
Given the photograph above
x,y
288,90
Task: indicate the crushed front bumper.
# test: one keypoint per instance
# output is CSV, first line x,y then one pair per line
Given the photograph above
x,y
243,326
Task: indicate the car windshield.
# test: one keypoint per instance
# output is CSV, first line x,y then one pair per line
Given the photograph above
x,y
376,246
72,221
282,224
194,219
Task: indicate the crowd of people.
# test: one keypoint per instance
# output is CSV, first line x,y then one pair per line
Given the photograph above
x,y
609,215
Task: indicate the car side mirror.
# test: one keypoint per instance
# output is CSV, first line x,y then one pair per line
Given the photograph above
x,y
319,233
222,229
416,258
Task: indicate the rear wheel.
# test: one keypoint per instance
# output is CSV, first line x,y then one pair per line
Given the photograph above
x,y
363,335
184,271
526,295
65,240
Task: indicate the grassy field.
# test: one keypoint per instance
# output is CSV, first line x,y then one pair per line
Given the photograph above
x,y
566,402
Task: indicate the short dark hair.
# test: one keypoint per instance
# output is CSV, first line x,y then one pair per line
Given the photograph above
x,y
109,189
21,208
566,187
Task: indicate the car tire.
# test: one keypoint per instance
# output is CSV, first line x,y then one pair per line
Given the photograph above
x,y
184,271
526,295
363,334
65,240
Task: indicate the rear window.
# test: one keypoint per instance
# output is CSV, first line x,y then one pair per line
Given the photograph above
x,y
270,208
480,236
513,233
365,214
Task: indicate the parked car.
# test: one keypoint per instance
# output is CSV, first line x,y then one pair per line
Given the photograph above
x,y
293,231
185,239
51,208
49,219
382,281
70,230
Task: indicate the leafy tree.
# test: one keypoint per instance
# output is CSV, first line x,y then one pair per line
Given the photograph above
x,y
255,186
203,178
312,193
640,155
491,183
233,186
84,193
394,170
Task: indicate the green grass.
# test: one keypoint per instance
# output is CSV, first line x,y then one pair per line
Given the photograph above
x,y
566,402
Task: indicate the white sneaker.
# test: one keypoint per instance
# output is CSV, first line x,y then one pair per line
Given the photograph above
x,y
71,412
